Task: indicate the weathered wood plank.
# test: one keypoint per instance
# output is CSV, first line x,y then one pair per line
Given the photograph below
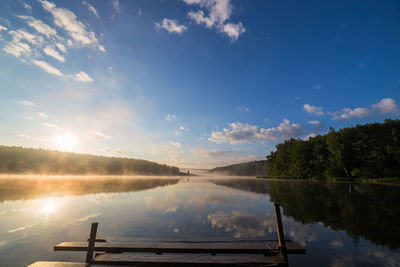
x,y
92,241
257,247
281,235
185,260
57,264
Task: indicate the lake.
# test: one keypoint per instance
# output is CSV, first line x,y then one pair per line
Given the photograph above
x,y
339,224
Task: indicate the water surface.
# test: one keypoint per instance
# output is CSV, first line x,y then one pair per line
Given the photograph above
x,y
339,224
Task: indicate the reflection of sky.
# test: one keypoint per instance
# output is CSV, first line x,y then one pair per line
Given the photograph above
x,y
194,209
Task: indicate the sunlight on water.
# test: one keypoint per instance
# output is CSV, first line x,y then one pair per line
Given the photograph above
x,y
49,206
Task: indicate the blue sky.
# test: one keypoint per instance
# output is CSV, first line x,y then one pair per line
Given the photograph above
x,y
193,83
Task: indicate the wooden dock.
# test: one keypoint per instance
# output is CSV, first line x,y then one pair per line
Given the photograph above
x,y
226,252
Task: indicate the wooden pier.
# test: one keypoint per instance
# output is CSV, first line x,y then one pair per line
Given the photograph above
x,y
226,252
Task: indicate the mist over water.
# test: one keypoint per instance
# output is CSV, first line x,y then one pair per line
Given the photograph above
x,y
36,213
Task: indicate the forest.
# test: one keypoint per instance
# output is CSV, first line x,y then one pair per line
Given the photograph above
x,y
19,160
253,168
363,151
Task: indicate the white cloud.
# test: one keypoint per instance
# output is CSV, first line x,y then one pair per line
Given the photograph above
x,y
385,107
28,103
61,47
314,110
101,48
170,117
24,35
314,122
288,130
177,144
17,48
91,9
103,135
115,4
24,136
67,20
181,128
243,133
27,6
234,30
212,153
40,26
50,51
47,67
347,114
219,12
2,28
243,109
171,26
82,77
199,18
51,126
42,115
112,152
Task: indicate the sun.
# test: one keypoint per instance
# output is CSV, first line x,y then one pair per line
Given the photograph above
x,y
66,142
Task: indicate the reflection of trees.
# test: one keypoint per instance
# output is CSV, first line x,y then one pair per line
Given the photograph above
x,y
29,188
362,210
256,186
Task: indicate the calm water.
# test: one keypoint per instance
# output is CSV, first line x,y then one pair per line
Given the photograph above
x,y
339,224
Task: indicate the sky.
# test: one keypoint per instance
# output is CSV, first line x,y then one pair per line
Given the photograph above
x,y
193,83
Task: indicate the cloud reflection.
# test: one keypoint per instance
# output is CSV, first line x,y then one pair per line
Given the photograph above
x,y
22,228
242,224
87,218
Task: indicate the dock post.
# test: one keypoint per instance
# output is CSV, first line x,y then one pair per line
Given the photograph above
x,y
92,240
281,235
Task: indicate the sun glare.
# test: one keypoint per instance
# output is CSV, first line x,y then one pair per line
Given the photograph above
x,y
49,207
66,142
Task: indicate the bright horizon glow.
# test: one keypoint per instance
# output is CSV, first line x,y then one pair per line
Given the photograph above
x,y
66,142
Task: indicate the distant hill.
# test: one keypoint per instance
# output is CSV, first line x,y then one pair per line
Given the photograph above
x,y
253,168
19,160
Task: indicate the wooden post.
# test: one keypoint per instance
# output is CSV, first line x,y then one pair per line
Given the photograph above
x,y
281,235
92,241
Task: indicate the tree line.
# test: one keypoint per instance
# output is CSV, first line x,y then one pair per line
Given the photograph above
x,y
19,160
363,151
253,168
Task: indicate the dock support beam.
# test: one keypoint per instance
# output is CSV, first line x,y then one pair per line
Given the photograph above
x,y
92,241
281,235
